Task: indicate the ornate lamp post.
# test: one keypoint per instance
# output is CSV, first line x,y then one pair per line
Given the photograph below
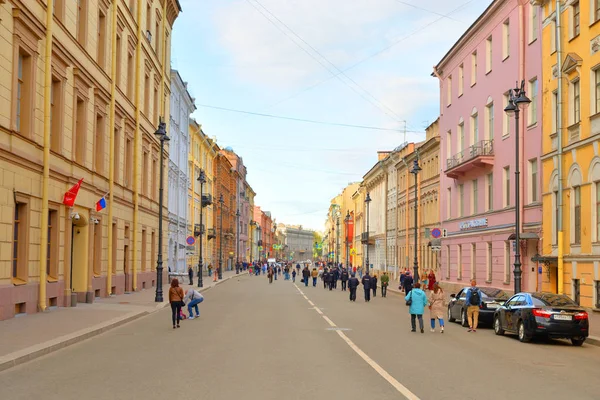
x,y
162,136
415,171
347,222
367,202
202,180
220,270
237,250
517,101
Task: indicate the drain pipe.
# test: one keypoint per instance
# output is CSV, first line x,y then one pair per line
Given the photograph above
x,y
559,150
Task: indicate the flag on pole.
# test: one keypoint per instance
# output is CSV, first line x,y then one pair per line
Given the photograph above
x,y
71,194
101,204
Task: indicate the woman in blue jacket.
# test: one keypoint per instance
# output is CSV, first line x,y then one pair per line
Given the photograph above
x,y
418,303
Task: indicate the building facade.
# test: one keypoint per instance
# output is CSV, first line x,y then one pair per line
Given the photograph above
x,y
571,163
299,242
182,105
477,147
224,220
375,184
358,201
93,120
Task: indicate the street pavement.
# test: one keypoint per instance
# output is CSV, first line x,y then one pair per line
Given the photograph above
x,y
256,340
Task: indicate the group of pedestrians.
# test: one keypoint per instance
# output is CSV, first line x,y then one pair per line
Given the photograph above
x,y
178,299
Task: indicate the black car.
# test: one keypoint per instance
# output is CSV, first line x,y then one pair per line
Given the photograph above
x,y
542,314
491,298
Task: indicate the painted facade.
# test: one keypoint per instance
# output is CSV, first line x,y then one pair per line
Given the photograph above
x,y
375,183
477,147
101,113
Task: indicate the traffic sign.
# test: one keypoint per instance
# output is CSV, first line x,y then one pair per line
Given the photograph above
x,y
436,233
190,240
352,252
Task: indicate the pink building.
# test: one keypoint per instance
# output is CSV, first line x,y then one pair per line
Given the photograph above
x,y
477,182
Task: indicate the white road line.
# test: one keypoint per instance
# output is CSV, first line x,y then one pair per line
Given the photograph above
x,y
311,303
319,311
330,322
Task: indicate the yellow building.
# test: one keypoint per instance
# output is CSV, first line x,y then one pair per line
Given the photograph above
x,y
358,200
251,250
70,110
203,151
571,164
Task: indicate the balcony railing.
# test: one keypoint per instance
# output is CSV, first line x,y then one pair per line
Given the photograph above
x,y
207,200
211,233
198,229
483,149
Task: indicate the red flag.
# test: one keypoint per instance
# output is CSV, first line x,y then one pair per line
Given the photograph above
x,y
69,199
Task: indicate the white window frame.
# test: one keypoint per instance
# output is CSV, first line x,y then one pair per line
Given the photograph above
x,y
532,110
507,260
533,181
461,200
474,131
489,261
506,186
506,120
459,266
449,91
475,196
474,68
461,79
489,178
489,49
533,23
506,39
473,261
489,120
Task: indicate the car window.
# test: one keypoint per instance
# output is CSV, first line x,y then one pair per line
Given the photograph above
x,y
462,294
522,301
537,302
555,300
513,301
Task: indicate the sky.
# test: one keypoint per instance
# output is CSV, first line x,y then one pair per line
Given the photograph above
x,y
365,63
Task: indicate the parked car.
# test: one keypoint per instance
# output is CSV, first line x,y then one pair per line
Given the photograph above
x,y
492,299
542,314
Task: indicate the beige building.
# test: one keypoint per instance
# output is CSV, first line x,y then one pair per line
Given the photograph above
x,y
71,110
375,184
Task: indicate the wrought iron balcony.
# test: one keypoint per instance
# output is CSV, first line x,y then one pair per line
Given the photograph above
x,y
207,199
479,155
198,229
211,233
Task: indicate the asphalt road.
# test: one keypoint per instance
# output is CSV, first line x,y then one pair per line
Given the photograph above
x,y
260,341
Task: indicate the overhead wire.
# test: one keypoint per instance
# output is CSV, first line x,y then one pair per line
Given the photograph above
x,y
427,10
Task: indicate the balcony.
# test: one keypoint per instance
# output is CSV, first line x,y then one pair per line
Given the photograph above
x,y
364,236
207,200
479,155
211,233
229,232
198,229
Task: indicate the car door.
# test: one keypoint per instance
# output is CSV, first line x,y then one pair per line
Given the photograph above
x,y
454,309
511,309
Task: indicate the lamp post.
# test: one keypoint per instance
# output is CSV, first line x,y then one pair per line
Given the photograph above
x,y
220,270
517,101
202,180
415,171
337,239
347,222
162,136
237,250
367,202
252,223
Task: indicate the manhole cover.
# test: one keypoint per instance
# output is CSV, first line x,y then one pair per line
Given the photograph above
x,y
338,329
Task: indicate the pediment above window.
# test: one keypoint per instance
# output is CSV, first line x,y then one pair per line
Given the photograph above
x,y
572,62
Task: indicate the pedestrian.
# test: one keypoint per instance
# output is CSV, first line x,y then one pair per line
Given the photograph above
x,y
344,278
194,299
325,278
360,273
275,272
270,274
416,300
336,276
305,275
408,282
431,280
473,302
385,280
209,269
366,281
176,301
191,275
314,274
437,306
294,276
402,277
353,283
374,284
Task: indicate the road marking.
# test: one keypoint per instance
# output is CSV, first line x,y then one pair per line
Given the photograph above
x,y
319,311
330,322
311,303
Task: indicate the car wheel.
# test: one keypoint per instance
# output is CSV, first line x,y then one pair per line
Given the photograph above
x,y
463,318
577,341
498,326
523,337
450,317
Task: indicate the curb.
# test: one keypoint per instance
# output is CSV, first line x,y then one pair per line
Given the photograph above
x,y
42,349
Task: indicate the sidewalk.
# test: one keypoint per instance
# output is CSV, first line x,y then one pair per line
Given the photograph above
x,y
28,337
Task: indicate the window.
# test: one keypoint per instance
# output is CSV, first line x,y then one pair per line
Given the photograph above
x,y
459,267
130,76
99,144
533,180
577,215
488,55
475,196
101,57
117,155
449,204
506,262
461,136
556,220
597,88
489,109
147,95
97,262
118,60
461,79
473,261
128,162
474,129
576,107
473,68
59,9
505,39
24,92
153,177
157,37
597,194
144,254
132,6
52,245
449,90
554,111
20,242
596,10
80,130
149,18
533,107
449,145
576,12
152,250
533,23
461,200
506,118
553,37
506,197
490,191
488,261
81,21
115,241
56,114
145,173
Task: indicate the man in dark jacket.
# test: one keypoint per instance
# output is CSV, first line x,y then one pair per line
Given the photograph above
x,y
336,276
325,278
374,285
366,281
305,275
407,283
353,283
344,279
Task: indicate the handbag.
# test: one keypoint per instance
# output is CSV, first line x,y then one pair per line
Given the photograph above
x,y
409,301
180,303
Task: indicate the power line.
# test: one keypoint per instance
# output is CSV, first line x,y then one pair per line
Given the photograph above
x,y
378,104
427,10
311,121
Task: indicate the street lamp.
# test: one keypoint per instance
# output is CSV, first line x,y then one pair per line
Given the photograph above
x,y
220,270
237,261
337,239
517,101
202,180
252,223
415,170
161,132
347,222
367,202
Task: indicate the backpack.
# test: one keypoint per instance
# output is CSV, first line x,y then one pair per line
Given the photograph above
x,y
475,298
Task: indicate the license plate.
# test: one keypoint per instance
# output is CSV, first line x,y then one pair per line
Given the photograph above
x,y
563,317
492,306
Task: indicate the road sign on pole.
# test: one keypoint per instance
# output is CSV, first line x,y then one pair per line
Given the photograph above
x,y
190,240
436,233
436,248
